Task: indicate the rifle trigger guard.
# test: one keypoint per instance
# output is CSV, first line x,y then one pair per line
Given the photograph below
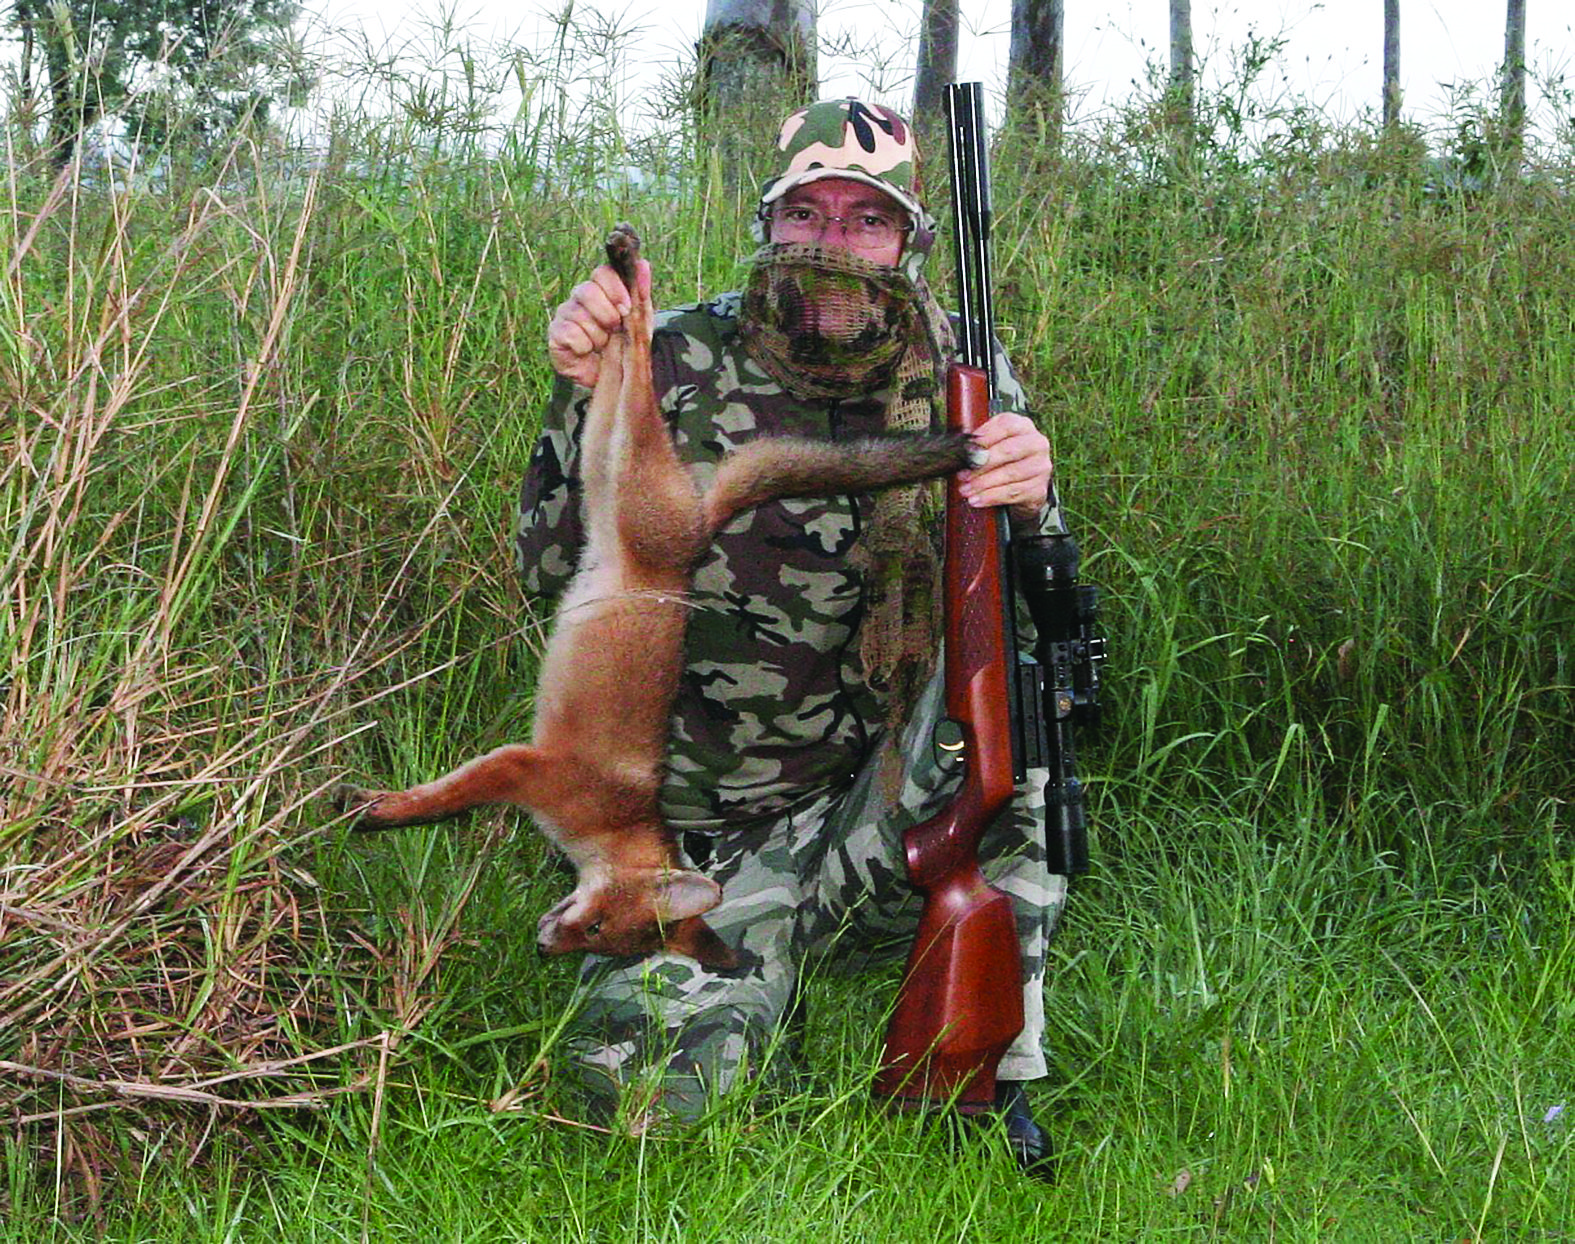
x,y
949,740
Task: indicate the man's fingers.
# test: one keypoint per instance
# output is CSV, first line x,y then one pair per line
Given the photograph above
x,y
574,352
1023,496
586,320
1009,461
578,338
595,307
1012,471
1005,485
592,306
1006,424
1015,449
1016,469
606,296
610,283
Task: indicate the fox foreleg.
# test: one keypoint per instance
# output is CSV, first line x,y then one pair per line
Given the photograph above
x,y
511,774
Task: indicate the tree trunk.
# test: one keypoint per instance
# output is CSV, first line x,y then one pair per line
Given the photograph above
x,y
45,32
1391,64
1035,65
1513,107
937,66
757,62
69,109
1182,101
25,21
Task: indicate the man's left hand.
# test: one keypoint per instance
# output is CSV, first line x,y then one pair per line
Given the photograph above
x,y
1017,474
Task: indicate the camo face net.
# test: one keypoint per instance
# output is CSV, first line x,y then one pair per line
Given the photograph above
x,y
825,323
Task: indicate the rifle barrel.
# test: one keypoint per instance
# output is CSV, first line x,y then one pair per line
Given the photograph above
x,y
971,218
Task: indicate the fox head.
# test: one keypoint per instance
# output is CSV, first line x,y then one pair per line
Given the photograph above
x,y
656,909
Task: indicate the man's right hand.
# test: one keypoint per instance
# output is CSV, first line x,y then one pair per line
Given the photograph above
x,y
580,327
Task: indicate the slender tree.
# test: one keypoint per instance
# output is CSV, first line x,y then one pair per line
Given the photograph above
x,y
756,56
1513,101
1391,64
49,34
1182,92
750,46
937,66
1034,76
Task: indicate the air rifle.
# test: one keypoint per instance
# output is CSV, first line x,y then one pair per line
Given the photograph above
x,y
960,1004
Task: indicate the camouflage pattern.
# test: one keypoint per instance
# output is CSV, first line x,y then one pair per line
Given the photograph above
x,y
774,727
847,138
820,888
824,323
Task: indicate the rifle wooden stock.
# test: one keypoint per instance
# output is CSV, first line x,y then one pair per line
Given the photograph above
x,y
961,1000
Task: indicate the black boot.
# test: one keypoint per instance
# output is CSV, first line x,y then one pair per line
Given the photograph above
x,y
1026,1138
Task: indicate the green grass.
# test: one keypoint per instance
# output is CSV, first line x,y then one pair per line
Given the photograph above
x,y
1330,1049
262,426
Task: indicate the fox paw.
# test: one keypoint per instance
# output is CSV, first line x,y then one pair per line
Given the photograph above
x,y
347,797
623,248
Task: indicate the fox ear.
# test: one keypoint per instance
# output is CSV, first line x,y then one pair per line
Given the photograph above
x,y
682,893
699,941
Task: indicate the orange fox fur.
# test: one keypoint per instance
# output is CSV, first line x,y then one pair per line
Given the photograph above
x,y
592,772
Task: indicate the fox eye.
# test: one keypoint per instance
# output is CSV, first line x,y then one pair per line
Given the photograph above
x,y
594,929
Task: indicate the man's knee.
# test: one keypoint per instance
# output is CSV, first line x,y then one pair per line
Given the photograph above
x,y
664,1073
666,1034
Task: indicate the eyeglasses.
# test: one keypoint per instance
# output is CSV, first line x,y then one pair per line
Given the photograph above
x,y
866,230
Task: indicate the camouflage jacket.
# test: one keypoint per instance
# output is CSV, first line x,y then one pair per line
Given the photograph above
x,y
774,708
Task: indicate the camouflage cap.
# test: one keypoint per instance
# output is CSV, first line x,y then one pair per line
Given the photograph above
x,y
856,141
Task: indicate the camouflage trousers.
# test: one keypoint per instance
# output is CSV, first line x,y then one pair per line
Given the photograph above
x,y
823,884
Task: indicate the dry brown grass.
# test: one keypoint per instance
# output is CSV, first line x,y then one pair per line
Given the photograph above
x,y
165,954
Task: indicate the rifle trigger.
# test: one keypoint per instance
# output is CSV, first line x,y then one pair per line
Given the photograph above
x,y
949,739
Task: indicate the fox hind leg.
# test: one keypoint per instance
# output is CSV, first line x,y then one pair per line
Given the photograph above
x,y
657,508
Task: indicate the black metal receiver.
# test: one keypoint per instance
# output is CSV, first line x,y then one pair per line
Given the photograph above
x,y
1060,689
1071,651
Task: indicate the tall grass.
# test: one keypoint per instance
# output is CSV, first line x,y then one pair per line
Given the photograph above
x,y
264,418
1327,472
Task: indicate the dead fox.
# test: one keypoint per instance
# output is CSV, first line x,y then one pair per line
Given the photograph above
x,y
592,773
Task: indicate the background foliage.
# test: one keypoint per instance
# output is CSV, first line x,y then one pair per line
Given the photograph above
x,y
140,70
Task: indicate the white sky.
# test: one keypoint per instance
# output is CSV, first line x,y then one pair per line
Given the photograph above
x,y
1333,53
